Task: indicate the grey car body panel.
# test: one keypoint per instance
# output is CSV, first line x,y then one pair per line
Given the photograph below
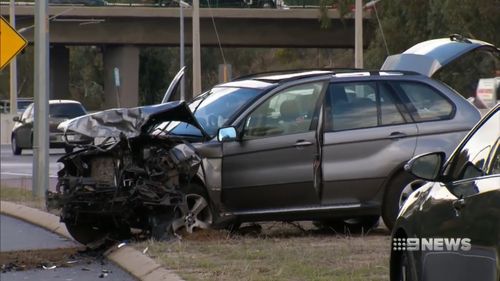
x,y
271,166
372,152
429,56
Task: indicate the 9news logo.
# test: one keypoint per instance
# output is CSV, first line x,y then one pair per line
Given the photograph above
x,y
431,244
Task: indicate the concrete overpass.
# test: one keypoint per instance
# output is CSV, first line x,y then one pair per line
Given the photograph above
x,y
123,30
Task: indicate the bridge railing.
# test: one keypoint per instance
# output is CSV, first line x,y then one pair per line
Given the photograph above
x,y
278,4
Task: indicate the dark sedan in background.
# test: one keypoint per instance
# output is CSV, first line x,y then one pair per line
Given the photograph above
x,y
59,110
455,218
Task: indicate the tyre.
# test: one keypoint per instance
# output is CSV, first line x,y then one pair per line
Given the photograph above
x,y
16,150
198,213
95,230
403,267
350,225
68,149
86,233
396,193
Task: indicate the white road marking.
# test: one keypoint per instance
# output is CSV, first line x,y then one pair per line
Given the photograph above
x,y
22,174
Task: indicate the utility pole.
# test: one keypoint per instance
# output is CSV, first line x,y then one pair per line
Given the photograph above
x,y
196,49
358,34
41,124
181,47
13,63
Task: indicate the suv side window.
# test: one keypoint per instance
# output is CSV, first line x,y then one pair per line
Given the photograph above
x,y
424,102
357,105
479,155
290,111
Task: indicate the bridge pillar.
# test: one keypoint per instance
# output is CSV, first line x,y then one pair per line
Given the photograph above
x,y
126,59
59,72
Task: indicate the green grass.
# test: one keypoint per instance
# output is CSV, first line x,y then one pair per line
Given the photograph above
x,y
21,196
285,253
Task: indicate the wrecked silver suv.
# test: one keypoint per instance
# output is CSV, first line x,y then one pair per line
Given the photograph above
x,y
323,145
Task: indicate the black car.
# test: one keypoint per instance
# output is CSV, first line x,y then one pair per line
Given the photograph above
x,y
79,2
449,229
59,111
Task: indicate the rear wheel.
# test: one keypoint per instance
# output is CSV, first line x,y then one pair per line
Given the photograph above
x,y
350,225
16,150
396,194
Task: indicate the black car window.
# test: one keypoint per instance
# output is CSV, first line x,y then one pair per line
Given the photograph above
x,y
494,168
66,110
475,157
424,102
357,105
290,111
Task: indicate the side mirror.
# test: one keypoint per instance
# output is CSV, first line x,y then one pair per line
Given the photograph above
x,y
226,134
426,166
16,119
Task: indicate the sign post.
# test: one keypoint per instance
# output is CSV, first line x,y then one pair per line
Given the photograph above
x,y
41,123
13,63
116,72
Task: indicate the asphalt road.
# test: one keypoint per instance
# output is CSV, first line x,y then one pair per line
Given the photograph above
x,y
16,171
16,235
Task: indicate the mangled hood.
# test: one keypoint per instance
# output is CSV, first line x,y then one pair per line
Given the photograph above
x,y
131,122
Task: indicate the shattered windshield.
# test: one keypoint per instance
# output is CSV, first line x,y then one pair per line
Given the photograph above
x,y
213,109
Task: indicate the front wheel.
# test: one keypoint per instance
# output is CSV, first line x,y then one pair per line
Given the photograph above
x,y
16,150
86,233
404,267
396,194
197,214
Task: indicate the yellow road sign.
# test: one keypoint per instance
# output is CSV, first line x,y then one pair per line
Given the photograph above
x,y
11,42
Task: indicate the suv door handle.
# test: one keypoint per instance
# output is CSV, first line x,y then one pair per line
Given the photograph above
x,y
302,143
397,135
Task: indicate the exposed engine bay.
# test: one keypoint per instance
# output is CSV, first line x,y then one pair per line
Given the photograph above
x,y
135,181
130,184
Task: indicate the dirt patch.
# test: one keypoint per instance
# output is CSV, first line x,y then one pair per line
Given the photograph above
x,y
43,259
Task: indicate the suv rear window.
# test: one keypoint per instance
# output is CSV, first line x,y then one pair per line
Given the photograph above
x,y
424,102
66,110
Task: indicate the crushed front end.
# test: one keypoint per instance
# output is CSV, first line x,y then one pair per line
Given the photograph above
x,y
126,184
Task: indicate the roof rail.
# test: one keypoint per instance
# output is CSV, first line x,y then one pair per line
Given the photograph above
x,y
290,71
